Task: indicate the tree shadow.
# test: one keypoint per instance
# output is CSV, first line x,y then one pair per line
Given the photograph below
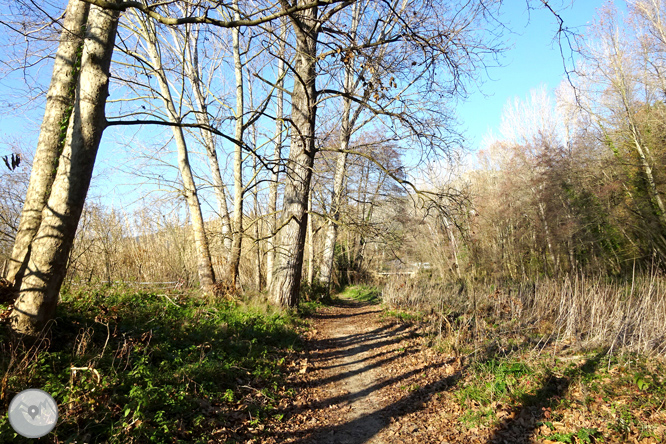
x,y
535,407
336,347
345,303
519,427
408,350
368,349
351,373
363,428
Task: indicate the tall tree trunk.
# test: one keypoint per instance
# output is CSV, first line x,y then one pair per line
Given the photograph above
x,y
255,200
328,256
59,105
277,156
193,70
255,193
346,128
289,255
311,247
50,248
204,263
236,243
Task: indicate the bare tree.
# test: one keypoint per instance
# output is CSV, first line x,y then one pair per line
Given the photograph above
x,y
385,87
237,227
148,31
49,249
287,271
277,154
193,70
616,93
59,107
50,240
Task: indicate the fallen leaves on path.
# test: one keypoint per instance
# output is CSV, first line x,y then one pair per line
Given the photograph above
x,y
367,379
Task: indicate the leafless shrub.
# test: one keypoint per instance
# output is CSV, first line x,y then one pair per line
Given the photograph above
x,y
19,359
592,312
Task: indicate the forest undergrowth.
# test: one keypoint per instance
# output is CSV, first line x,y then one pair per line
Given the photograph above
x,y
129,366
583,356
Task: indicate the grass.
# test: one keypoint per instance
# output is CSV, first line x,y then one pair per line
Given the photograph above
x,y
144,367
403,316
497,381
583,436
373,295
362,293
583,400
578,361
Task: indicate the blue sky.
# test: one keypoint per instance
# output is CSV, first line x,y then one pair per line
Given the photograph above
x,y
534,60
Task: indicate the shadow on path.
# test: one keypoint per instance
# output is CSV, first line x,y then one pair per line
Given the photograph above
x,y
356,367
365,427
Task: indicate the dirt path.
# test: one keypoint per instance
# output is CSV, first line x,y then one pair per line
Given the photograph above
x,y
367,381
344,354
363,378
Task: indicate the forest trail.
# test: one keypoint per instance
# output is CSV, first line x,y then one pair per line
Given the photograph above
x,y
368,377
368,380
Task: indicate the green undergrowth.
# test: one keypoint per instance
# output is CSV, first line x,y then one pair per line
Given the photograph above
x,y
584,398
144,367
403,316
362,293
517,379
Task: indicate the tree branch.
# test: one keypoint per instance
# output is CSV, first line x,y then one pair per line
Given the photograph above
x,y
149,10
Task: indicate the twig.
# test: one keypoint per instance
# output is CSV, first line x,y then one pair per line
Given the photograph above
x,y
251,388
90,369
169,299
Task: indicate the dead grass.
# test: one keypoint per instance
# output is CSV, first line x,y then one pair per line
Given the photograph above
x,y
621,316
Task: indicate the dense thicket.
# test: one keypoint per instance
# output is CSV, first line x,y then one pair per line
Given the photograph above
x,y
574,181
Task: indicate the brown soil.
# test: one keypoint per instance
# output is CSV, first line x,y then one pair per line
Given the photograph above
x,y
367,379
364,380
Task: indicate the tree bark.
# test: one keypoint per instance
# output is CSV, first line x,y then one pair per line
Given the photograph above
x,y
59,105
204,264
237,240
277,155
289,255
53,241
